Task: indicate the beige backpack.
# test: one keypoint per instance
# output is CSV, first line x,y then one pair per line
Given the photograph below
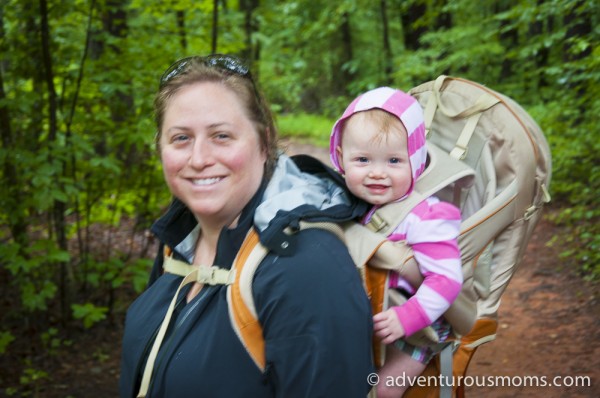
x,y
510,157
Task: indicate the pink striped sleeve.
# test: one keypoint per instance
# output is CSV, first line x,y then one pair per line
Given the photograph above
x,y
432,229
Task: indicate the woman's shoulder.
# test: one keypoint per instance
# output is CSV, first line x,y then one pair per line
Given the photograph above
x,y
318,255
314,246
305,283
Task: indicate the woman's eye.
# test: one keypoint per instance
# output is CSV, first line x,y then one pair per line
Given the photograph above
x,y
180,138
221,136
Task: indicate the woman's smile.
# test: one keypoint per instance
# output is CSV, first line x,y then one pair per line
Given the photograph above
x,y
206,181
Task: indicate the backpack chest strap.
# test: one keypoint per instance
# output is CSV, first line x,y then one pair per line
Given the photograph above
x,y
213,275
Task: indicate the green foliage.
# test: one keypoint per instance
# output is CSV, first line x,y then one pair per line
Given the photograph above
x,y
52,342
313,128
5,339
89,313
31,378
138,274
31,270
583,239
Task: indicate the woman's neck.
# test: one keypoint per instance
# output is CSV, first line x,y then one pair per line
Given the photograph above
x,y
204,255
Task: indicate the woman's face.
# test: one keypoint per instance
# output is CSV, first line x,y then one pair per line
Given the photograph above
x,y
210,151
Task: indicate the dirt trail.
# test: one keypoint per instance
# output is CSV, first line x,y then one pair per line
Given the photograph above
x,y
549,327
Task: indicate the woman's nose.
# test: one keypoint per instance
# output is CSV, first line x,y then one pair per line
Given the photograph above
x,y
201,155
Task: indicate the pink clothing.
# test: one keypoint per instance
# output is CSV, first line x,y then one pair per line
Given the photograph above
x,y
431,229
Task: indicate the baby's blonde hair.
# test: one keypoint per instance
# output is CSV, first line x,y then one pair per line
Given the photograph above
x,y
385,121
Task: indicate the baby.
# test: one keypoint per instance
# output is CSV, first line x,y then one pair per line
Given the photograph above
x,y
379,146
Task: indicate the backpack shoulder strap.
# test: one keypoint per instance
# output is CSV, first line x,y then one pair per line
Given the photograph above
x,y
240,299
242,311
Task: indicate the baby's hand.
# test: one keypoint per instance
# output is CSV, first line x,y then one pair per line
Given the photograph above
x,y
387,326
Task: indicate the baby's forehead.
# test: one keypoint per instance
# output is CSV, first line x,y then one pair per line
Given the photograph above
x,y
385,122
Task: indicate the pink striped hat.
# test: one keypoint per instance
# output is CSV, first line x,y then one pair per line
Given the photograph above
x,y
398,103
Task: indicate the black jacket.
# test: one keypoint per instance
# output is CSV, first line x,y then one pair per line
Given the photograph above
x,y
315,315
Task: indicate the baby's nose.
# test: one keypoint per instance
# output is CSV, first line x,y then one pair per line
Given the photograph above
x,y
377,173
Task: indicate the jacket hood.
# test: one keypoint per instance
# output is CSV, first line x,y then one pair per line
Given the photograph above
x,y
398,103
302,189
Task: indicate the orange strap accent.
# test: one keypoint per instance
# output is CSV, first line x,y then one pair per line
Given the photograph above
x,y
376,286
484,327
245,321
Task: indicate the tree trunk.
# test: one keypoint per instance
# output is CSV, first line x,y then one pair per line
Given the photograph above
x,y
387,48
82,241
10,177
114,20
59,207
577,26
509,38
342,73
181,29
536,29
412,34
215,26
251,51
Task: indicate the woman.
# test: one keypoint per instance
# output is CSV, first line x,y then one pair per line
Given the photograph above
x,y
217,144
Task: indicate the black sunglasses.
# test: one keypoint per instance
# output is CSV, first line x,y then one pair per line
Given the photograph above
x,y
226,63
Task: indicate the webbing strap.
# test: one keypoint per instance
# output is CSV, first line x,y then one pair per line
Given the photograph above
x,y
202,274
191,277
472,113
334,228
446,370
213,275
483,103
537,204
429,113
462,143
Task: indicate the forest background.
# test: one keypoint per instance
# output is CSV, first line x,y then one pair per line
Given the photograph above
x,y
80,180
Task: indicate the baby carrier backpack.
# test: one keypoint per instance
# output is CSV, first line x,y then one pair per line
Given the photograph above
x,y
488,157
500,203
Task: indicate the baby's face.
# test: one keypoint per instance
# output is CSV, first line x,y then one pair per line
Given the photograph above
x,y
376,165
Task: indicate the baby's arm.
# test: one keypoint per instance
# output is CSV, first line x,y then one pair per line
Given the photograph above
x,y
432,230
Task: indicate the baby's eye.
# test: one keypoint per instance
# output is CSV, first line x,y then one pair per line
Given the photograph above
x,y
394,160
362,159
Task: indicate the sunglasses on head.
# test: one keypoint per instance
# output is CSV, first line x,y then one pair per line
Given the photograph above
x,y
226,63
